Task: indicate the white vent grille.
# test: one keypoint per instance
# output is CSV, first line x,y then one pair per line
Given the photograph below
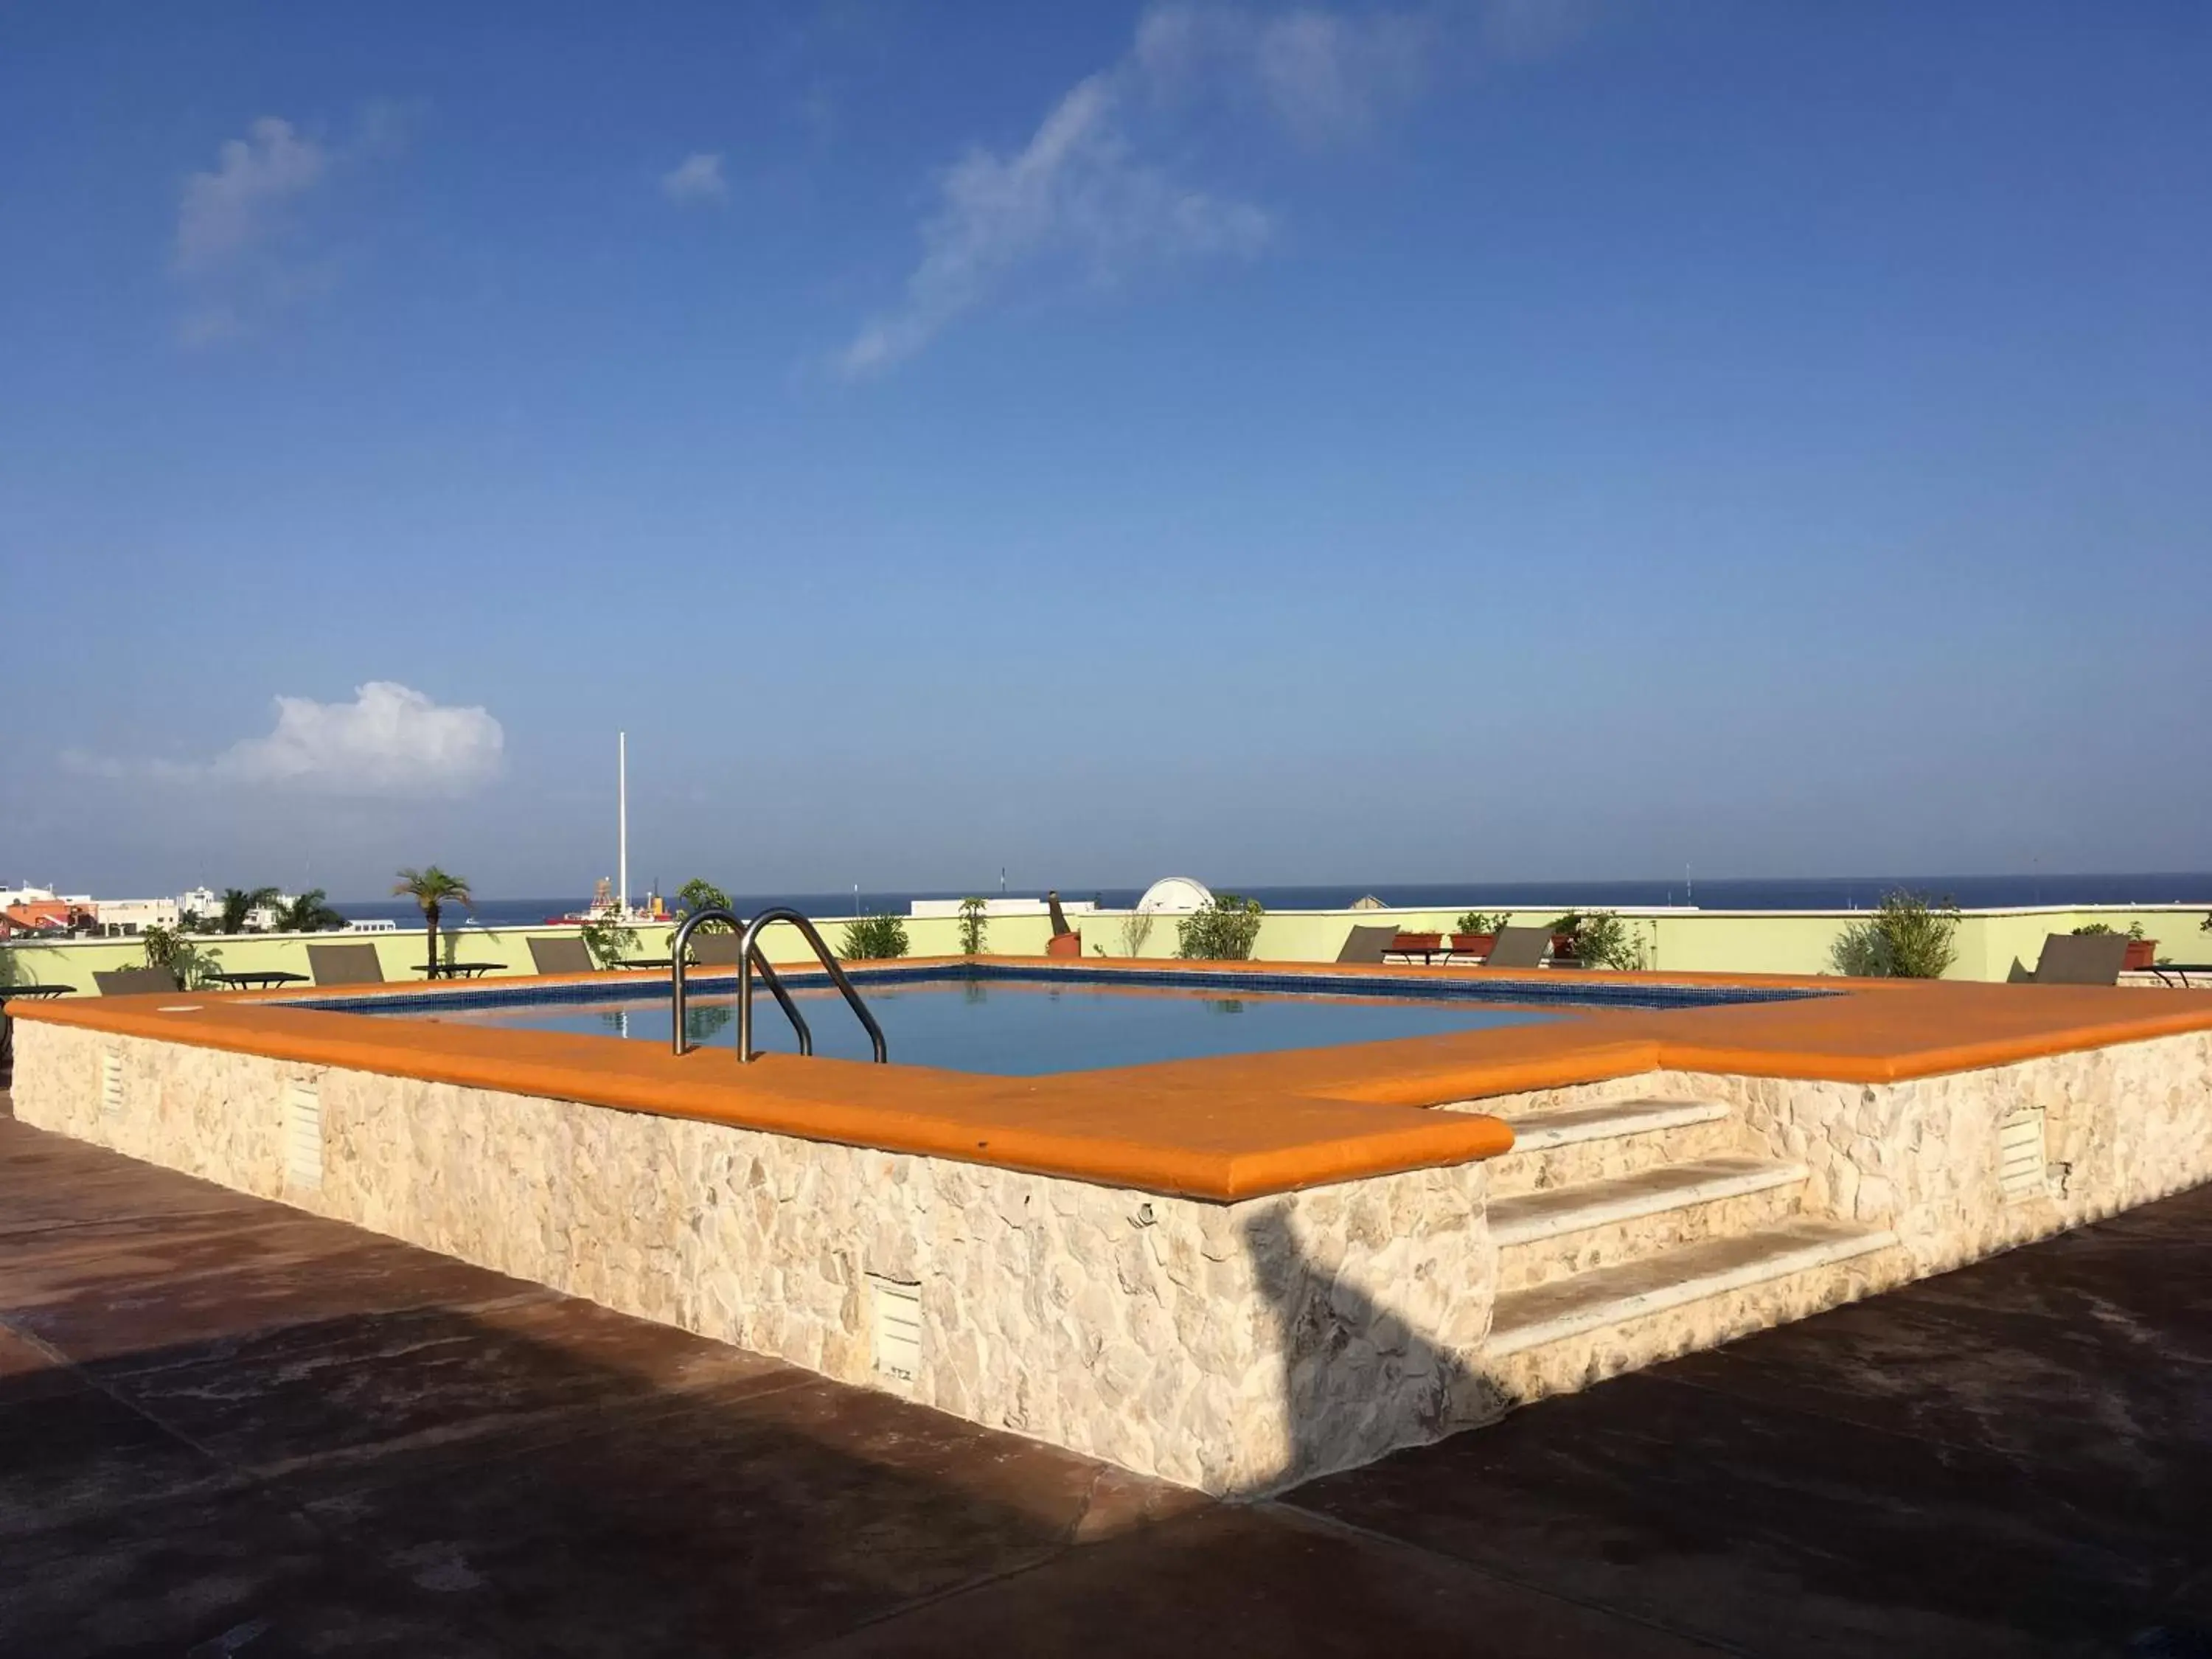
x,y
303,1135
111,1083
2020,1157
897,1316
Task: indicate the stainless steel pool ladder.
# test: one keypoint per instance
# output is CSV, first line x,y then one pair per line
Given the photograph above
x,y
748,958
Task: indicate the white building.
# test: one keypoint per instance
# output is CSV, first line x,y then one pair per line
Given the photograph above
x,y
127,916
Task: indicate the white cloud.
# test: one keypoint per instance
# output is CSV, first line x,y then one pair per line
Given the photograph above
x,y
223,212
697,178
1323,77
1076,188
389,740
1083,190
239,250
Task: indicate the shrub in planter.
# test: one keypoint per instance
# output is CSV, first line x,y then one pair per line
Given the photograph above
x,y
1606,941
1224,930
1476,932
872,939
1907,938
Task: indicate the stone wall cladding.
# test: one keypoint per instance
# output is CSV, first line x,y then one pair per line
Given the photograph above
x,y
1234,1347
2123,1124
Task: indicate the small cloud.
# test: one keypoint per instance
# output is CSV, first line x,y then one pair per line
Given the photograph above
x,y
389,740
697,178
238,244
1082,189
1076,188
1326,78
223,212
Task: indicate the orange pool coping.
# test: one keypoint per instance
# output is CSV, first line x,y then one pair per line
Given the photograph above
x,y
1221,1129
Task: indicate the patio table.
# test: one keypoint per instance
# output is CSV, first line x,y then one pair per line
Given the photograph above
x,y
461,969
261,979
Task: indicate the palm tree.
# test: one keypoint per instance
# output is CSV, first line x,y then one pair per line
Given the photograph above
x,y
310,913
433,889
238,904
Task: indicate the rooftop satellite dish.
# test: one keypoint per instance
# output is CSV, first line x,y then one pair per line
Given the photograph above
x,y
1175,896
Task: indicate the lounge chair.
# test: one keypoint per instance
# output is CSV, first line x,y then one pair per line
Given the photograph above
x,y
1367,944
562,956
344,964
135,981
717,949
1427,946
2082,959
1519,947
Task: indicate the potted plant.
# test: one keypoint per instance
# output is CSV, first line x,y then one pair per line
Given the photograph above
x,y
1564,933
2142,953
1476,933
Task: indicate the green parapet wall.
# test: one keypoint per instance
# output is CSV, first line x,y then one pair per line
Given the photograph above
x,y
1678,941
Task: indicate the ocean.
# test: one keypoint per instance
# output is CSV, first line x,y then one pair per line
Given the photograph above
x,y
1799,893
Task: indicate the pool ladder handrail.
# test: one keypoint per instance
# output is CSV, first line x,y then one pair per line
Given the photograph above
x,y
679,991
749,953
749,956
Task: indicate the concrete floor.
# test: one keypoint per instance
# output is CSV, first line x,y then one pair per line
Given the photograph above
x,y
229,1428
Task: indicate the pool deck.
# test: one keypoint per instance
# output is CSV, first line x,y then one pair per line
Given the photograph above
x,y
1221,1129
229,1427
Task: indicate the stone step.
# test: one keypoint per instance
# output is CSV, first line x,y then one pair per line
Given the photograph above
x,y
1707,1271
1551,1235
1548,1130
1615,1138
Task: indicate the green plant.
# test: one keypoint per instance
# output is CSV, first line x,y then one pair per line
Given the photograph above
x,y
609,938
1224,930
433,890
192,921
1483,921
167,947
240,903
1603,939
1137,928
698,894
973,923
1907,937
872,939
2135,929
310,913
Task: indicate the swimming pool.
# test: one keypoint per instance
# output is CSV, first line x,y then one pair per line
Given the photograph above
x,y
1017,1023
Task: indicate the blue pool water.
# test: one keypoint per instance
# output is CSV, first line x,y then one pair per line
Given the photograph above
x,y
1017,1025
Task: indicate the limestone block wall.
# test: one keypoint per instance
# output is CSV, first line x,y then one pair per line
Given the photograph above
x,y
1236,1348
2121,1126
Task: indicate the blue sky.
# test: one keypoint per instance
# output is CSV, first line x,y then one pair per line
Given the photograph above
x,y
1497,440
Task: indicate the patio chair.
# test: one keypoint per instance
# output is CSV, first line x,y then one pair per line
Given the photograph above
x,y
135,981
1519,947
344,964
715,949
562,956
1367,944
2082,959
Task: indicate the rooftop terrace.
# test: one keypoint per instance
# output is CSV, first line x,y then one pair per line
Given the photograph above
x,y
227,1427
